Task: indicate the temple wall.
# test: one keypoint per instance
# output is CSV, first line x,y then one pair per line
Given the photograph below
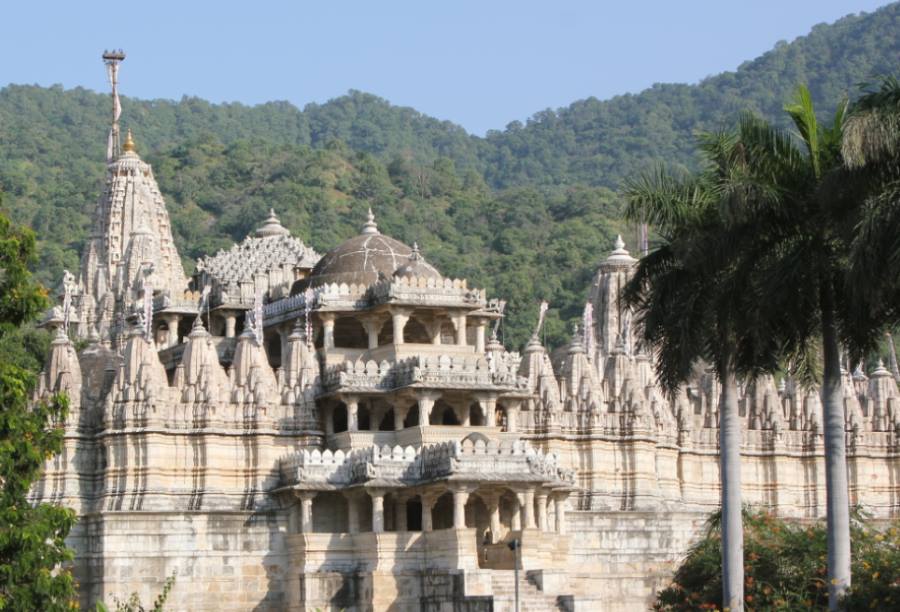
x,y
222,561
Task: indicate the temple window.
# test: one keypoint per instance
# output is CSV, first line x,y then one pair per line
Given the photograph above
x,y
413,515
448,333
365,417
273,350
329,513
340,417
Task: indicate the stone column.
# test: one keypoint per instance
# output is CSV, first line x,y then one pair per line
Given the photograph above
x,y
428,501
399,319
460,497
329,421
306,518
479,337
541,498
435,331
373,327
352,404
512,417
377,496
460,322
400,522
559,503
515,521
230,322
172,321
492,501
489,407
426,403
352,512
327,319
527,499
400,412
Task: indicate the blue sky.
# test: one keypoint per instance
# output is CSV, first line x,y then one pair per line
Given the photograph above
x,y
479,64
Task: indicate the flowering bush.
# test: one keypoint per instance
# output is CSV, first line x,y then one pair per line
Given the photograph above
x,y
785,567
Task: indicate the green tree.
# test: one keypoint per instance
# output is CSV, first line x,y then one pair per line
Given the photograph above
x,y
33,553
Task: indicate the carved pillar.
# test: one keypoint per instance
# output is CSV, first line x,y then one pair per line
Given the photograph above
x,y
512,417
399,319
172,321
329,420
526,498
541,498
435,331
327,319
306,501
460,322
373,327
377,496
428,501
492,501
352,404
400,412
479,337
489,408
426,403
460,497
400,522
352,511
230,323
515,521
559,503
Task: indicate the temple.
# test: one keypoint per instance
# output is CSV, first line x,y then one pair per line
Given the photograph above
x,y
285,430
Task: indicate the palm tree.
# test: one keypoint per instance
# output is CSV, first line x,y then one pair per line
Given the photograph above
x,y
871,153
692,302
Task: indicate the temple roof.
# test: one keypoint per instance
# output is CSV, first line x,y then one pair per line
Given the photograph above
x,y
367,258
271,246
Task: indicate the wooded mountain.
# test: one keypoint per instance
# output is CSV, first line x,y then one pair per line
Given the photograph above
x,y
527,212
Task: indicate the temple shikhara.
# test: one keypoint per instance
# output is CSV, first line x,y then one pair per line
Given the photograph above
x,y
289,430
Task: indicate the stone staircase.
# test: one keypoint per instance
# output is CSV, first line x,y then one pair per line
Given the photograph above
x,y
531,599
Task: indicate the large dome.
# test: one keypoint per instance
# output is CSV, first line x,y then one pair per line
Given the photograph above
x,y
364,259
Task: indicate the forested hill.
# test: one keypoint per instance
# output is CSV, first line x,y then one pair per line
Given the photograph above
x,y
526,212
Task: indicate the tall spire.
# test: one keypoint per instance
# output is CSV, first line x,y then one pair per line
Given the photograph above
x,y
112,59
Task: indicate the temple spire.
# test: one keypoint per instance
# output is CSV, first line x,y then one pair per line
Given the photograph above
x,y
112,59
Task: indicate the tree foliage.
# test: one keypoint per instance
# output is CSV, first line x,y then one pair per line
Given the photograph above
x,y
785,567
33,553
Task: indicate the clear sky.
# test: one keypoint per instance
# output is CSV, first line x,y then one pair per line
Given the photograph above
x,y
481,63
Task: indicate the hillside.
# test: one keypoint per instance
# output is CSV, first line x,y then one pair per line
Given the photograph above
x,y
526,212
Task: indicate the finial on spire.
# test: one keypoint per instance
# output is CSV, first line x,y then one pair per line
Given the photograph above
x,y
370,226
271,226
415,252
620,254
129,146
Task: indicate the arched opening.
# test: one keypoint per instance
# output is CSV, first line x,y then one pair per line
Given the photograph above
x,y
442,512
329,513
349,333
387,421
415,332
443,414
386,335
477,516
273,350
412,417
414,514
318,336
339,414
476,415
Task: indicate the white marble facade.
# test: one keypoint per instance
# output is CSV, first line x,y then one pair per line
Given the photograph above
x,y
285,431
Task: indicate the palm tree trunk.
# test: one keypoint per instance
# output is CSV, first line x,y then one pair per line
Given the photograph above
x,y
730,461
838,499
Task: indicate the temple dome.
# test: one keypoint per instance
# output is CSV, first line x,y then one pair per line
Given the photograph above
x,y
366,258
